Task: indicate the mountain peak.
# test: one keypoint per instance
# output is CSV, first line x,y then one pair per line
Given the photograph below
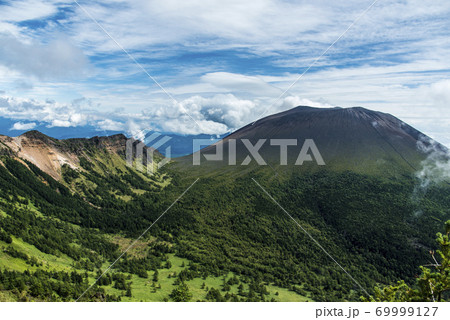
x,y
354,138
37,135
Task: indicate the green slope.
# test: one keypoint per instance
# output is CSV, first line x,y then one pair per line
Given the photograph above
x,y
50,233
57,237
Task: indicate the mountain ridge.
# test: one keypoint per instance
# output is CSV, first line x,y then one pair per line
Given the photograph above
x,y
50,154
349,138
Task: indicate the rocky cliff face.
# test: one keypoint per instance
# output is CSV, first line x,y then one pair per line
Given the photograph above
x,y
51,154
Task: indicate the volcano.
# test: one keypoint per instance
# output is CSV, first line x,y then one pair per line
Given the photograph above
x,y
354,139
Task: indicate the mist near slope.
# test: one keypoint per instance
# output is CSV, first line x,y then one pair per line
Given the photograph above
x,y
435,169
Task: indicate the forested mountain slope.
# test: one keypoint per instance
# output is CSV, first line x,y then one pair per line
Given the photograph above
x,y
68,208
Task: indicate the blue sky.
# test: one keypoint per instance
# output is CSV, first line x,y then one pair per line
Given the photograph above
x,y
224,62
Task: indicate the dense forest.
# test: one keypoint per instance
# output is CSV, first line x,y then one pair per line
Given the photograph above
x,y
225,240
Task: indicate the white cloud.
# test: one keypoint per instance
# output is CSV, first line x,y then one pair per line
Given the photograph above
x,y
51,112
182,126
436,167
439,93
393,60
233,23
23,126
218,114
266,27
23,10
110,125
57,59
239,83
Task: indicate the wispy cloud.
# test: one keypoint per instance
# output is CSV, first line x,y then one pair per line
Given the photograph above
x,y
56,59
25,10
224,60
